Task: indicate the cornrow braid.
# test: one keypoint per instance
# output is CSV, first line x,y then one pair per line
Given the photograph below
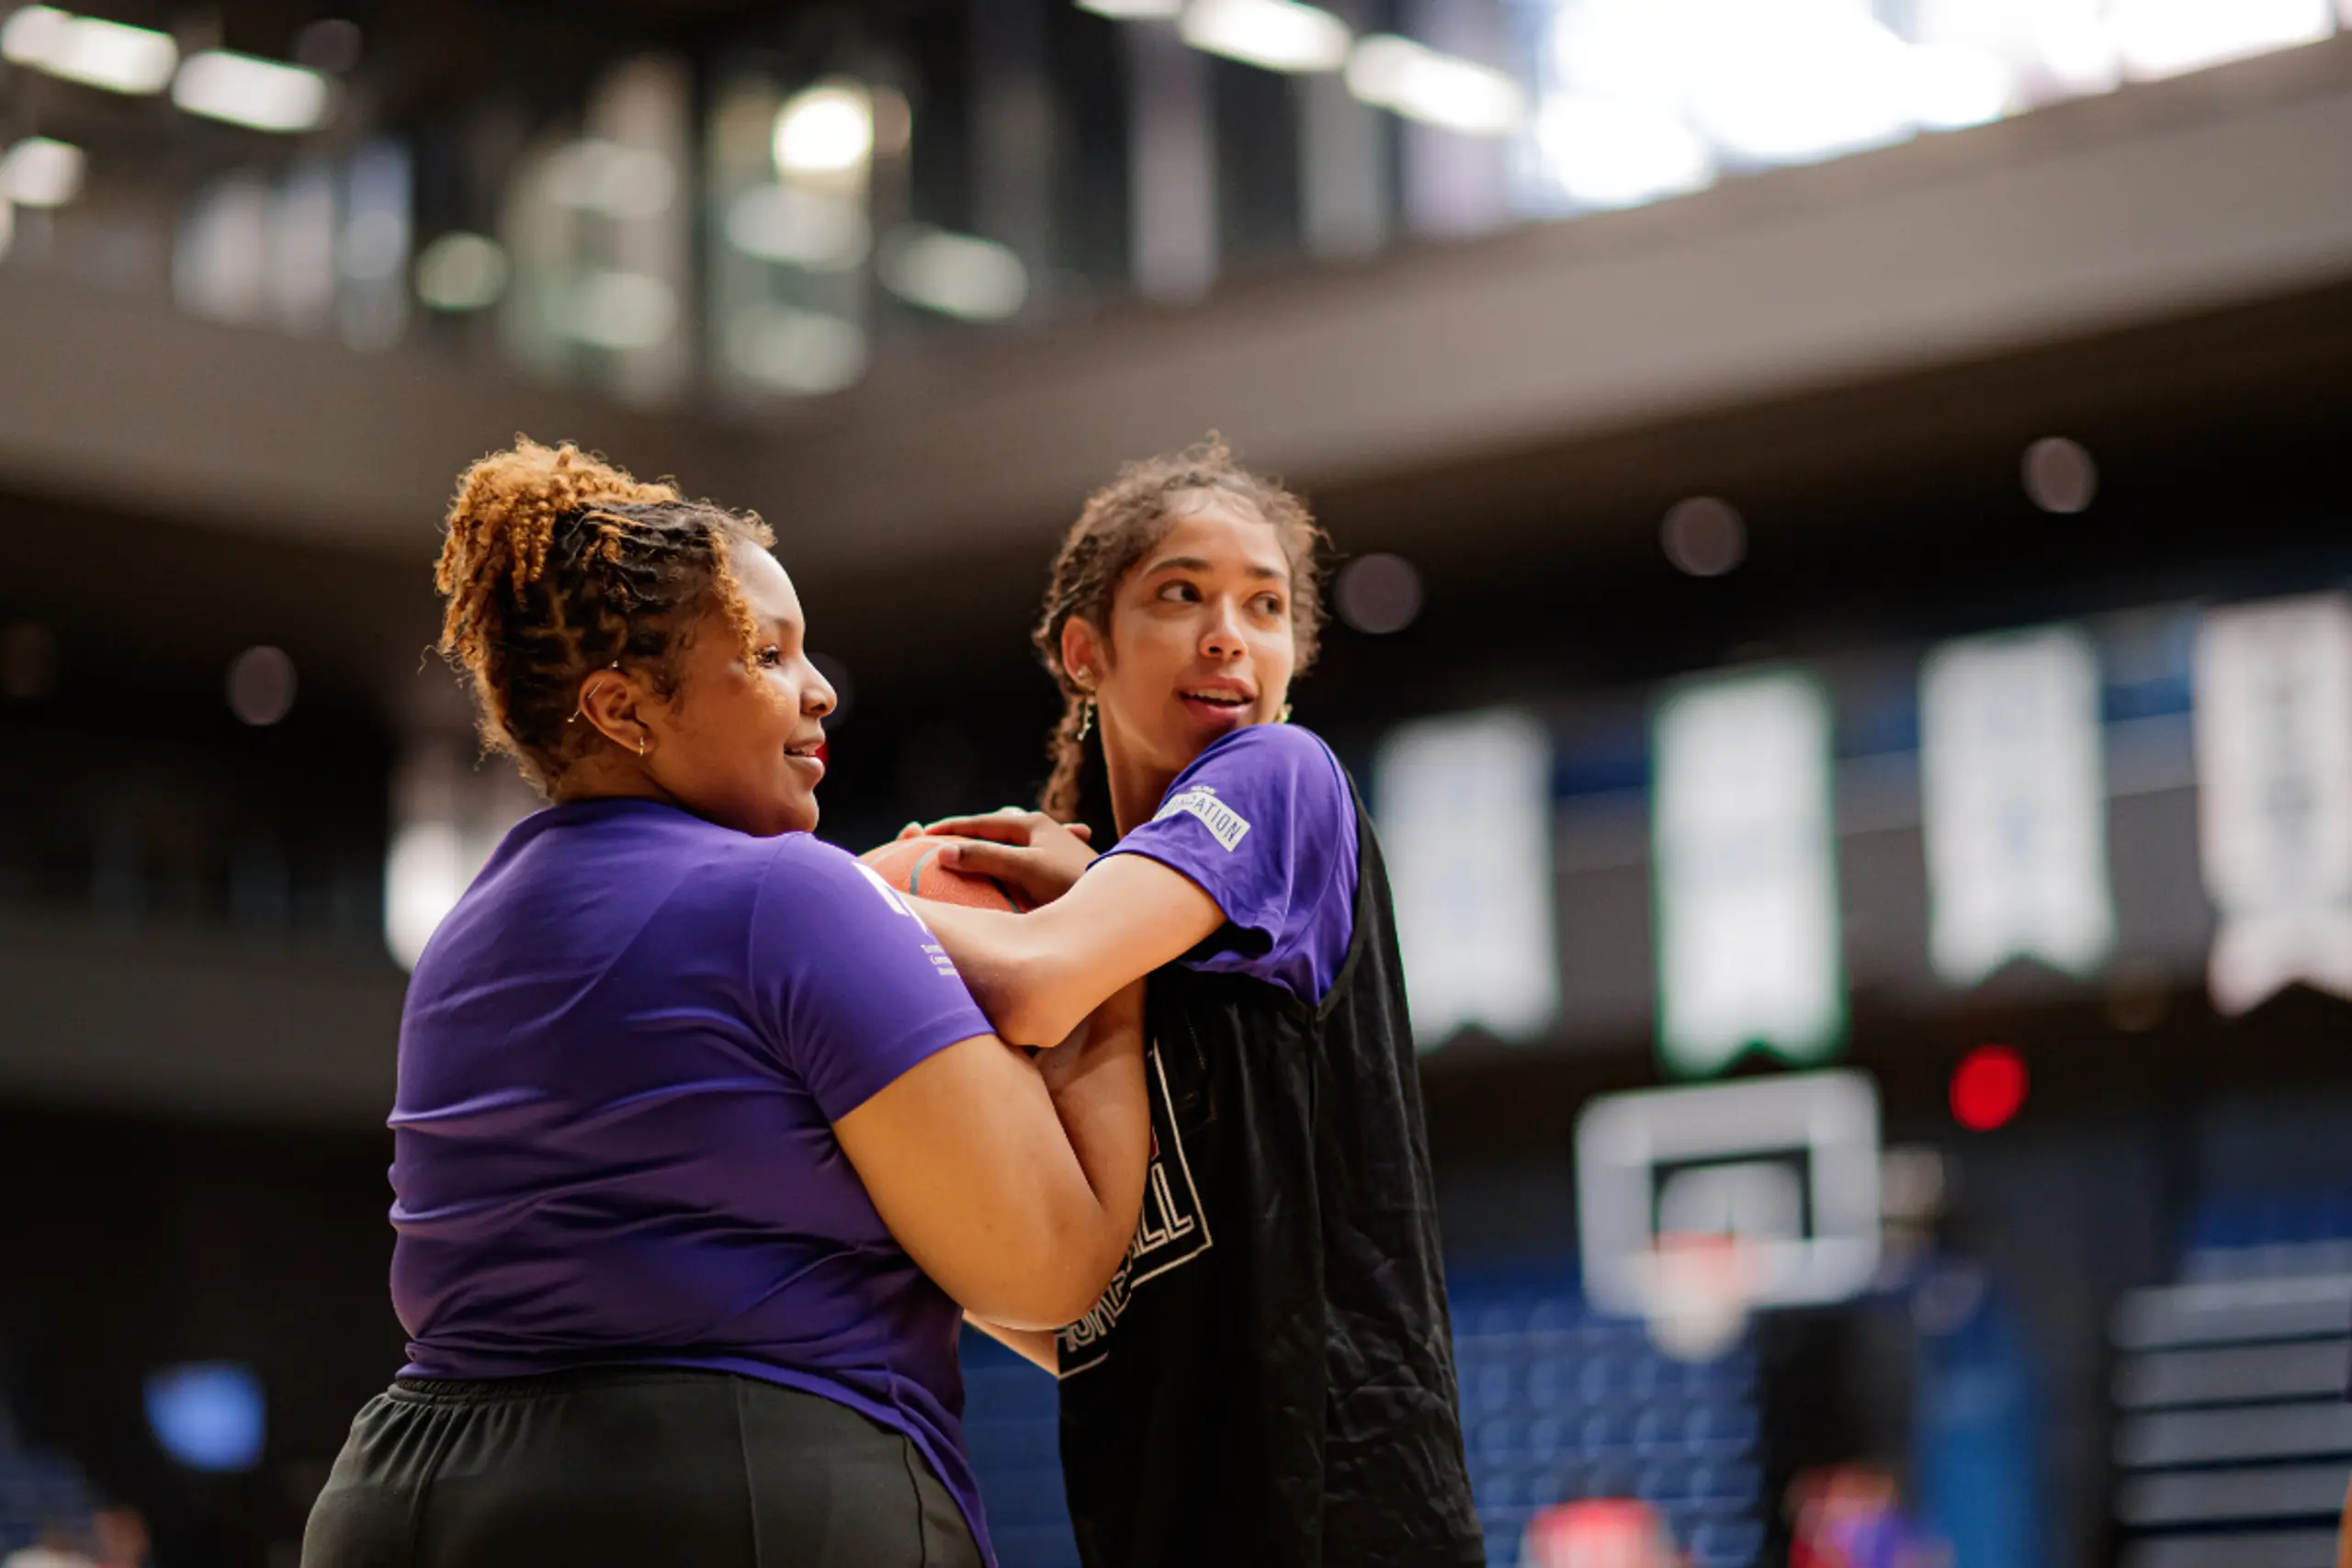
x,y
558,564
1119,524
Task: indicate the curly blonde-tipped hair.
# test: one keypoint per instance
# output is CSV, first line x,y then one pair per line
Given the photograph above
x,y
558,564
1118,526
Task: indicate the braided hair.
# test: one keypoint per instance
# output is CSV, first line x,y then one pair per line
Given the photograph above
x,y
559,564
1119,526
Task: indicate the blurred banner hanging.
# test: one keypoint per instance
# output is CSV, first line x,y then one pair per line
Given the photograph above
x,y
1746,874
2015,798
2273,772
1465,820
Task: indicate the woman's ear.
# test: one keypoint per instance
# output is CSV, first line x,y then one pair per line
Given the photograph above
x,y
608,700
1085,652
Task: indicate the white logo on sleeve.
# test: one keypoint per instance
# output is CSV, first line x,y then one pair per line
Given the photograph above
x,y
889,893
932,949
1224,823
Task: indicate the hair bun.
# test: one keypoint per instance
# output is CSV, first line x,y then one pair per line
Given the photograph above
x,y
507,505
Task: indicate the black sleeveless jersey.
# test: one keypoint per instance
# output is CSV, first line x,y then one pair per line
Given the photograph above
x,y
1269,1381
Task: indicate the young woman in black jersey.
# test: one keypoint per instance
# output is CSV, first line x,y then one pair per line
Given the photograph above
x,y
1268,1379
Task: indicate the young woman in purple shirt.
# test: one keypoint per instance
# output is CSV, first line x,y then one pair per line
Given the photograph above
x,y
1269,1378
701,1148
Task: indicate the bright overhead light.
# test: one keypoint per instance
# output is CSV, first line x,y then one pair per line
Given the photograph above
x,y
1803,81
805,352
1133,10
1280,35
1443,89
31,36
605,177
37,172
825,129
2165,38
260,95
956,274
461,271
2073,44
1605,152
619,310
1953,87
83,49
800,227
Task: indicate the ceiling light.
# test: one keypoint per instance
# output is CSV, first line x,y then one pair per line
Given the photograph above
x,y
1813,80
260,95
805,352
800,227
1955,87
620,311
956,274
1441,89
83,49
1133,10
2060,475
1379,593
261,686
2076,48
825,129
2165,38
605,177
461,271
37,172
1605,152
1280,35
1703,536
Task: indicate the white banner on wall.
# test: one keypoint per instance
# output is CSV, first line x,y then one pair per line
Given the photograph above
x,y
2274,776
2016,804
1745,869
1464,809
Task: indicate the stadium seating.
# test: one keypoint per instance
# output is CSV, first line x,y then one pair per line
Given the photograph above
x,y
1557,1403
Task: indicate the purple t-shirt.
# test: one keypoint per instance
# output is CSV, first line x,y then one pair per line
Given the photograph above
x,y
1263,821
620,1063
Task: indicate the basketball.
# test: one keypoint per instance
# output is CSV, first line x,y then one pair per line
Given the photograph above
x,y
911,866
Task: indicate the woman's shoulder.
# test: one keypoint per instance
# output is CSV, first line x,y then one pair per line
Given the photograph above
x,y
1286,748
1288,758
806,870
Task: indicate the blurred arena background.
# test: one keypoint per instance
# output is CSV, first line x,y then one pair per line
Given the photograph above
x,y
1846,538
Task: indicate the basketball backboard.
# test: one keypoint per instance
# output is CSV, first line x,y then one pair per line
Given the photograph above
x,y
1785,1167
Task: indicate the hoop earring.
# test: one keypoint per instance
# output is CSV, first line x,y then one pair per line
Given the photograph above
x,y
640,744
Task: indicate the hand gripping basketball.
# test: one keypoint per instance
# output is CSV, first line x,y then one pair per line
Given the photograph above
x,y
916,866
1028,852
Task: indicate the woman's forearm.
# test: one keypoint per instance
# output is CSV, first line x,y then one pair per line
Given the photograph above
x,y
1096,1080
1036,976
1000,957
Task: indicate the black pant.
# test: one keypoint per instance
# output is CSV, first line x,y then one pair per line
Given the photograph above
x,y
640,1467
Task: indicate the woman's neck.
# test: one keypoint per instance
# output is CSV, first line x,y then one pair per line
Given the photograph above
x,y
608,778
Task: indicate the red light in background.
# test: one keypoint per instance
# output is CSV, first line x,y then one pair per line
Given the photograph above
x,y
1987,1088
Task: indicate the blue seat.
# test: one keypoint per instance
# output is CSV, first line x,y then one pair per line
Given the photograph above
x,y
1034,1546
1720,1430
1663,1482
1726,1543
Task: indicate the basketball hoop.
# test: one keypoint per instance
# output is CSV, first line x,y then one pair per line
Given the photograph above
x,y
1697,1288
